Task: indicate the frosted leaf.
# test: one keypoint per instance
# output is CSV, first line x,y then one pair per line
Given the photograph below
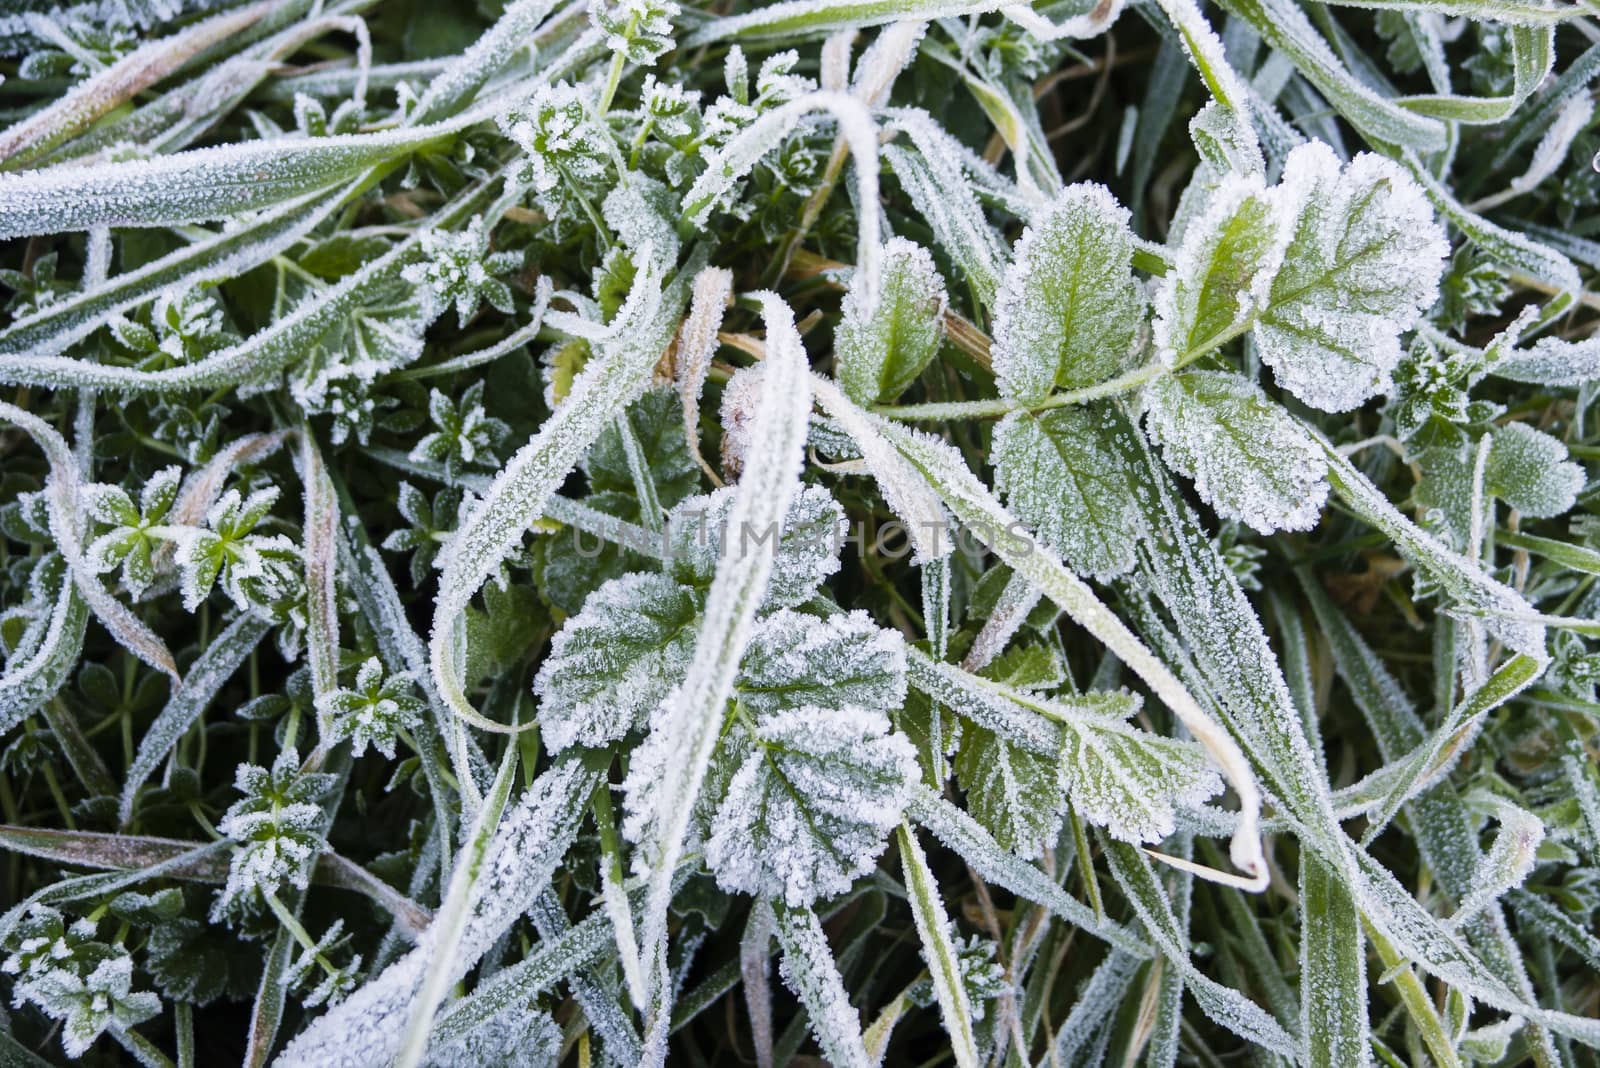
x,y
1059,472
809,809
1364,263
87,1005
458,268
374,711
1223,269
740,398
1069,307
808,969
1552,362
135,533
804,551
520,1037
1248,458
641,211
1529,470
904,489
1014,792
1506,863
1122,778
554,128
615,660
796,661
1224,141
880,354
277,827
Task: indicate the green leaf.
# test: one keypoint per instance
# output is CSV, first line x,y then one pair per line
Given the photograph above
x,y
1013,791
939,950
1069,307
1222,271
804,547
1364,262
1333,970
613,662
1061,473
797,661
811,796
878,355
1248,458
1529,470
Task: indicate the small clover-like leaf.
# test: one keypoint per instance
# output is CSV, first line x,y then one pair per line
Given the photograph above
x,y
1248,458
374,711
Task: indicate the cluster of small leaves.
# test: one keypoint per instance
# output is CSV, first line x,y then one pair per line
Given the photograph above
x,y
1053,536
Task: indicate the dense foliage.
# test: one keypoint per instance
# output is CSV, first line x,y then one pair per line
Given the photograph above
x,y
902,531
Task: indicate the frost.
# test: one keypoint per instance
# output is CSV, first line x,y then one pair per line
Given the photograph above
x,y
1248,458
1061,473
1069,307
808,969
1529,470
1552,362
1506,864
904,489
1223,269
804,548
1364,263
88,1004
1014,792
615,661
797,661
639,31
374,712
465,437
135,533
556,131
459,269
879,355
811,804
277,827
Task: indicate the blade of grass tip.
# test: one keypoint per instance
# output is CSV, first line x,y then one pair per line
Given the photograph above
x,y
444,934
697,343
731,162
978,509
120,82
1452,736
938,950
67,514
756,976
520,491
689,723
809,970
321,533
